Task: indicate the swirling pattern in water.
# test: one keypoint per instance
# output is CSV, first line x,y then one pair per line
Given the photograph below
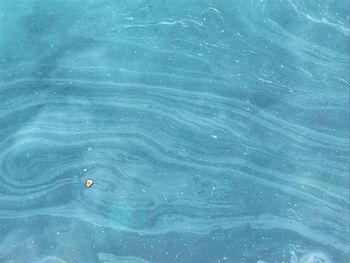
x,y
215,131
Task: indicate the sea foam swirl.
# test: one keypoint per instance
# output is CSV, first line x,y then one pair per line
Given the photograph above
x,y
215,131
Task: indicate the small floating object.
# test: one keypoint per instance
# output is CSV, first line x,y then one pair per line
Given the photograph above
x,y
89,183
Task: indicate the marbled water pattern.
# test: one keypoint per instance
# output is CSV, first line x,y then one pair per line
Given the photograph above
x,y
216,131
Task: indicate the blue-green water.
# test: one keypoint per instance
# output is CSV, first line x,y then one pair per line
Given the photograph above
x,y
214,131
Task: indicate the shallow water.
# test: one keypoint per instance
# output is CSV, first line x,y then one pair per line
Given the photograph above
x,y
214,131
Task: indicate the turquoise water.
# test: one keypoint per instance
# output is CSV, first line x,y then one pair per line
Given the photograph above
x,y
214,131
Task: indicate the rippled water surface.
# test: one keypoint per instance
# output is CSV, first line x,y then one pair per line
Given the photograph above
x,y
214,131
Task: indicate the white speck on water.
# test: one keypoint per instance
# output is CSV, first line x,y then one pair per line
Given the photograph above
x,y
57,233
89,149
214,136
85,170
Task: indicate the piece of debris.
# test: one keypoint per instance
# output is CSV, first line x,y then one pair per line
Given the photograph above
x,y
89,183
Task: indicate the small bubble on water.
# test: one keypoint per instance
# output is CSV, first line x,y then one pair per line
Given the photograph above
x,y
89,149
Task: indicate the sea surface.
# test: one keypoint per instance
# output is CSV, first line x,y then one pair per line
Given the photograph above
x,y
215,131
